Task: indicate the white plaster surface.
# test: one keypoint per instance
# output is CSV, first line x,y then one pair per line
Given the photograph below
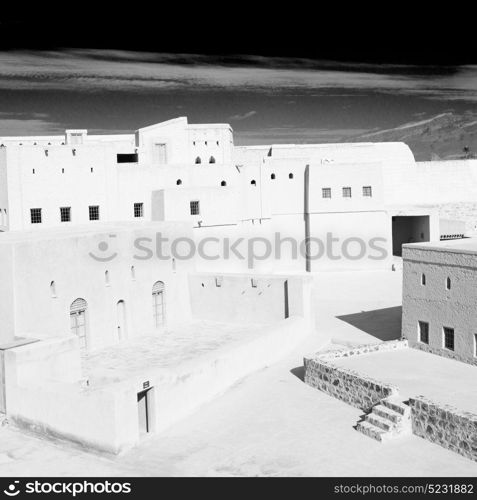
x,y
296,429
167,349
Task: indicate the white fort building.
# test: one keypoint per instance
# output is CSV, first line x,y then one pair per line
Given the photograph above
x,y
73,292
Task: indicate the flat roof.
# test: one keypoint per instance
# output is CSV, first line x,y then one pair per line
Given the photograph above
x,y
464,245
8,237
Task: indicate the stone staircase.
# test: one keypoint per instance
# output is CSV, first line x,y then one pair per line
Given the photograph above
x,y
387,420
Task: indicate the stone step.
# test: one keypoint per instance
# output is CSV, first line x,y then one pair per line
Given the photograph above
x,y
382,423
397,406
372,431
385,412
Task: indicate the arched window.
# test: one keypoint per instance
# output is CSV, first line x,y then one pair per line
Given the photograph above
x,y
133,272
178,182
223,183
158,304
423,279
106,277
253,182
198,160
448,283
211,159
290,175
273,177
53,289
78,321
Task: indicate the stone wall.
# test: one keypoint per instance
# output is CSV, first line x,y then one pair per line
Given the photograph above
x,y
347,385
445,425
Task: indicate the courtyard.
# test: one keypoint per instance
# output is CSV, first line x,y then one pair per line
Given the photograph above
x,y
269,423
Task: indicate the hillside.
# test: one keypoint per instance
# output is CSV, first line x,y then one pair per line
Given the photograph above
x,y
444,136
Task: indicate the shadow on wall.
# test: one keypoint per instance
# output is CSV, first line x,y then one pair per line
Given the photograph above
x,y
384,324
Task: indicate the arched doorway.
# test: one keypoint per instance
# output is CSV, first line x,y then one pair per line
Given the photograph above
x,y
121,321
78,321
158,304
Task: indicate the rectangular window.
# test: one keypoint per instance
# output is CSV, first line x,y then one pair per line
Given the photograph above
x,y
346,192
160,154
127,158
138,209
326,192
367,191
449,338
194,208
35,215
65,214
475,344
424,332
94,212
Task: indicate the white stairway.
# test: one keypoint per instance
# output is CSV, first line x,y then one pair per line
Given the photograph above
x,y
387,420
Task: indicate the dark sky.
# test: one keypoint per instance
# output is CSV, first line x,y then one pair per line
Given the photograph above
x,y
330,83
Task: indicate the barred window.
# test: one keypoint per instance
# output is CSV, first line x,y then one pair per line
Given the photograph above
x,y
94,212
35,215
424,332
326,192
194,208
138,209
449,338
367,191
65,214
346,192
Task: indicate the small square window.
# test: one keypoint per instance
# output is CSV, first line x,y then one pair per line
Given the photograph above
x,y
367,191
194,208
346,192
424,332
138,209
326,192
449,338
218,281
65,214
94,212
35,215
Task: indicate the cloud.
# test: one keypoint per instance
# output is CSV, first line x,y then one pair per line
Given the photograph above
x,y
244,116
96,70
295,135
26,126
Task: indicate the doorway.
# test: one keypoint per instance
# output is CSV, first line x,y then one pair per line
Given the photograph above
x,y
409,229
78,321
121,320
144,411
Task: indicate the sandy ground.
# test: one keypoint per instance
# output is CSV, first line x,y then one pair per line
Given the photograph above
x,y
271,423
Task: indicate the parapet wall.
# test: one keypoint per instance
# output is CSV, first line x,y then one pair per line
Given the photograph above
x,y
347,385
445,425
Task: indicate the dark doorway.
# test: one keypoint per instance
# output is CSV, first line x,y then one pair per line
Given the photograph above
x,y
409,229
143,408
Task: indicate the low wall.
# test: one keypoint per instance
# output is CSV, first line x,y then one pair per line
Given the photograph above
x,y
106,418
180,392
445,425
348,385
445,353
